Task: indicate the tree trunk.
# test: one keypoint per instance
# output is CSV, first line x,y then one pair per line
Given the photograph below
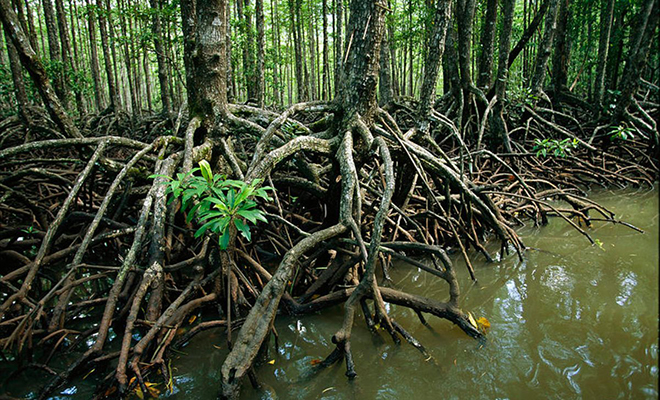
x,y
54,51
67,56
529,32
94,58
157,30
365,28
640,44
435,50
385,80
545,47
339,47
487,45
562,49
206,53
508,7
259,76
325,91
606,16
112,89
17,79
32,64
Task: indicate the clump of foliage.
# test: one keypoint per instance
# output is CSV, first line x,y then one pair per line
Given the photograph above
x,y
559,148
621,132
217,202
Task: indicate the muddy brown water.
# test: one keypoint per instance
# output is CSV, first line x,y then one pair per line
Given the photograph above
x,y
571,321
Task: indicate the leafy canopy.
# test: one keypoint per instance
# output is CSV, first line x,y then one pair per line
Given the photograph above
x,y
216,202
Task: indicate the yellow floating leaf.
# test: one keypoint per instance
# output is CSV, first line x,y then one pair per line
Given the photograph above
x,y
483,324
192,319
271,362
217,347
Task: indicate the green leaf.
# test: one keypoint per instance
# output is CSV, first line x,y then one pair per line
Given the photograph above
x,y
224,240
203,228
192,212
243,228
205,168
252,215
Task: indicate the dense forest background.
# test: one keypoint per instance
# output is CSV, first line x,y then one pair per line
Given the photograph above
x,y
129,54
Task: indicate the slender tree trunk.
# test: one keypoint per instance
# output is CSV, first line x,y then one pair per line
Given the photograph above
x,y
161,61
259,76
545,47
30,26
325,91
94,58
435,50
67,57
32,64
17,79
54,51
562,48
300,84
112,89
487,45
606,16
278,88
128,61
529,31
640,44
508,7
339,47
450,72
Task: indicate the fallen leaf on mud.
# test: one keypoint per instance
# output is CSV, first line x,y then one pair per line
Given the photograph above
x,y
271,362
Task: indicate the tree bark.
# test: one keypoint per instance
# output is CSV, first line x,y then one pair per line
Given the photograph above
x,y
54,51
545,47
606,16
562,48
529,32
32,64
112,89
67,57
487,45
435,50
94,58
206,54
157,30
640,44
17,79
259,76
508,7
365,31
